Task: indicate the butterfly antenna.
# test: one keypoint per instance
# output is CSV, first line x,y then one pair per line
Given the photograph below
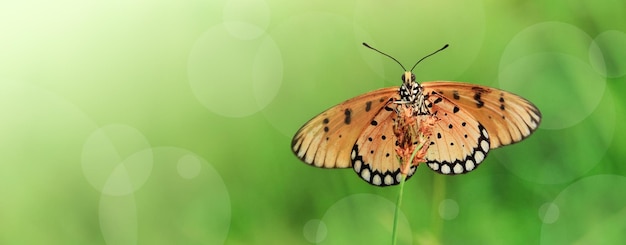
x,y
444,47
367,45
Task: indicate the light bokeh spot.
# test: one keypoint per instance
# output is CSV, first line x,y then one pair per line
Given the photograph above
x,y
233,77
549,213
448,209
323,67
611,62
117,159
246,19
364,219
188,166
118,219
565,88
198,210
545,66
315,231
590,211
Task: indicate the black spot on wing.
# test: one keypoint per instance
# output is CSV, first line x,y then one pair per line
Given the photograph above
x,y
479,102
348,114
455,95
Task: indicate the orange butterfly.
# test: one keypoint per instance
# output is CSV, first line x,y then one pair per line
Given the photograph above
x,y
458,123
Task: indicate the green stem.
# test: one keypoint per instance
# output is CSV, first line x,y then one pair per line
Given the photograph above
x,y
394,233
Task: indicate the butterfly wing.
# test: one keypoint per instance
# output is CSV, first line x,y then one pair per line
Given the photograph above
x,y
374,156
508,118
472,120
327,140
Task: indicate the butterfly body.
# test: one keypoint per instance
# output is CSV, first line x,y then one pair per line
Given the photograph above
x,y
452,125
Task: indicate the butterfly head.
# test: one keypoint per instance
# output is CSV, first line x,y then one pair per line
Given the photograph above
x,y
410,91
408,77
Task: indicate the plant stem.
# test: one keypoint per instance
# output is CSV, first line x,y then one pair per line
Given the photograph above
x,y
394,233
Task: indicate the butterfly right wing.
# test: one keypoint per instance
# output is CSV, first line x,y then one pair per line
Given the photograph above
x,y
327,139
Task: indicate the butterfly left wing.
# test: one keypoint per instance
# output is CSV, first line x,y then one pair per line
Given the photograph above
x,y
327,139
472,120
507,117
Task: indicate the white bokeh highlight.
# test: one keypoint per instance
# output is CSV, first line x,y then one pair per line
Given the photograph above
x,y
188,167
611,63
315,231
532,67
116,159
118,219
323,67
200,207
448,209
364,219
533,74
246,19
549,213
590,211
234,77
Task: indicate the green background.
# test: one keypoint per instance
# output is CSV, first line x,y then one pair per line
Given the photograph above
x,y
169,122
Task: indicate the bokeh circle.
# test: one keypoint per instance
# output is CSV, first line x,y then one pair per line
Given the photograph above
x,y
246,19
315,231
590,211
611,63
364,219
117,159
234,77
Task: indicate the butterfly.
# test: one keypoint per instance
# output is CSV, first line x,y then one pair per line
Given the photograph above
x,y
456,124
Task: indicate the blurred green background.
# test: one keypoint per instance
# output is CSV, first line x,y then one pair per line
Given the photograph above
x,y
169,122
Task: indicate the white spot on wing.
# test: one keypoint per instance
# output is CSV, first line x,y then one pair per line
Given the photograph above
x,y
445,169
353,155
469,165
458,169
357,166
434,166
479,156
376,180
365,174
485,145
485,133
388,179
